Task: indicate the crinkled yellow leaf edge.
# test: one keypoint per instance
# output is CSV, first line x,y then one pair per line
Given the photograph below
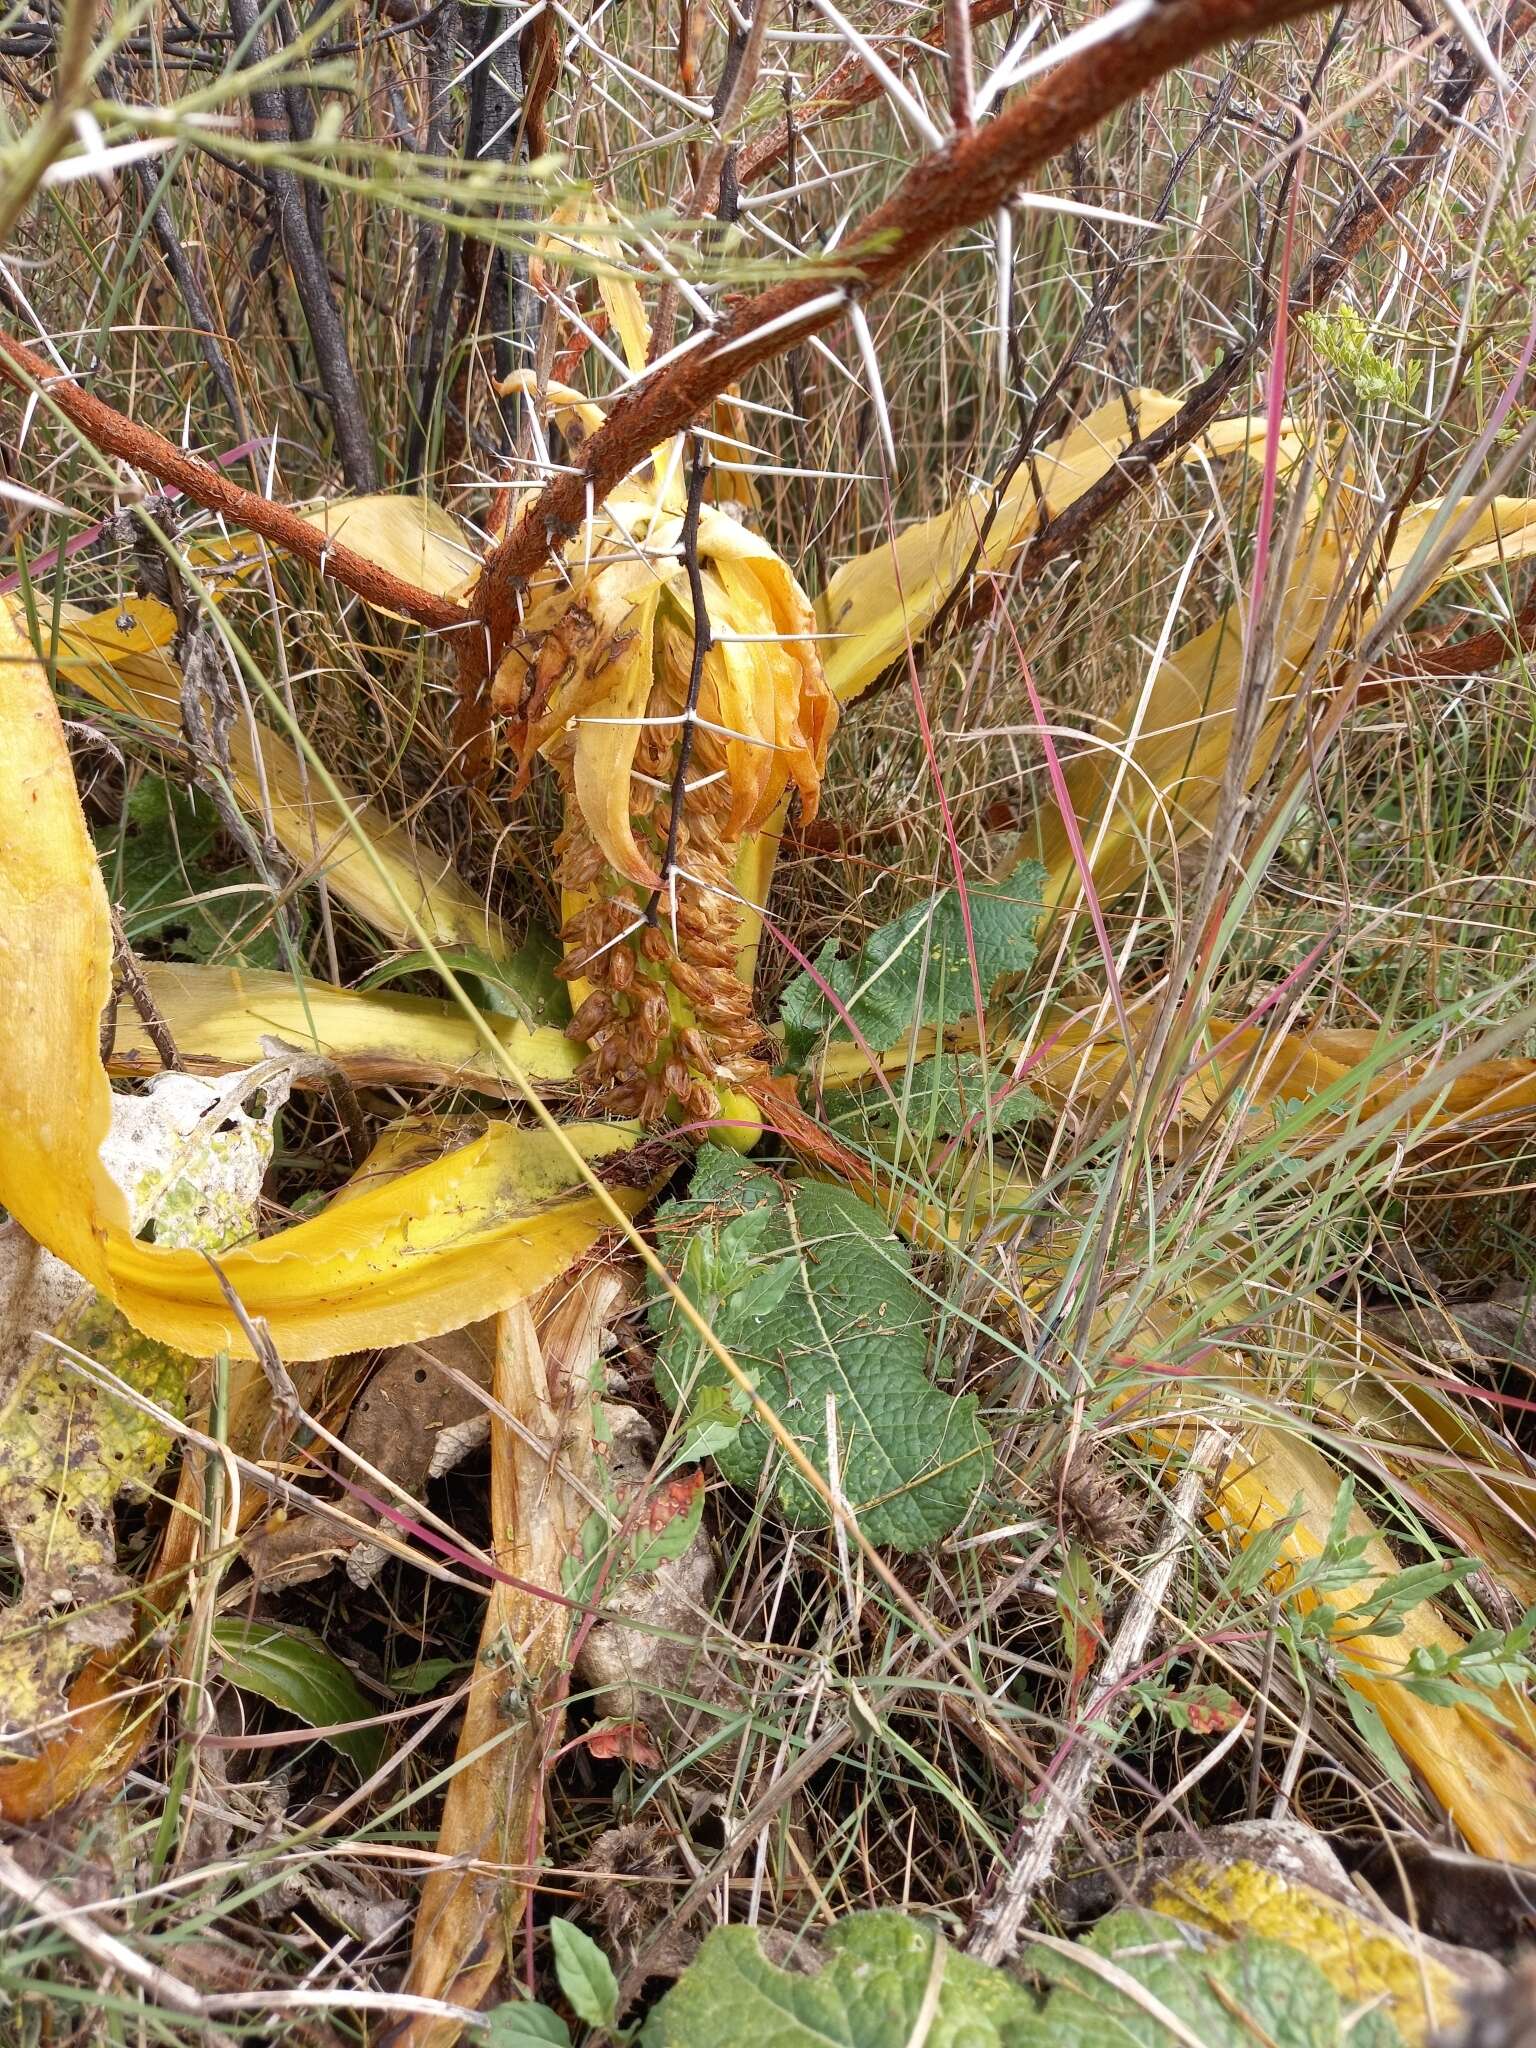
x,y
456,1240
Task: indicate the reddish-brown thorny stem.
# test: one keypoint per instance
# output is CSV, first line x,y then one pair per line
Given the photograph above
x,y
113,433
945,191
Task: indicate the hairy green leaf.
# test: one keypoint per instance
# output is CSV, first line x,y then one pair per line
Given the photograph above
x,y
917,969
525,2024
810,1291
1139,1981
1227,1994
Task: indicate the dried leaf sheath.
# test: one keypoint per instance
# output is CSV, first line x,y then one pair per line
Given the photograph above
x,y
493,1816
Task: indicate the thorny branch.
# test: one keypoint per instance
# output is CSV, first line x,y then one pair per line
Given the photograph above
x,y
1391,181
113,433
944,191
847,87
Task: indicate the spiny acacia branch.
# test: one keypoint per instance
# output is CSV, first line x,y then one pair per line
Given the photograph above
x,y
113,433
1389,184
944,192
846,87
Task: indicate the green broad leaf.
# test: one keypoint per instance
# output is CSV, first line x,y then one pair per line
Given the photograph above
x,y
293,1670
940,1096
179,899
868,1992
584,1973
812,1294
524,987
424,1677
523,2024
1139,1981
917,969
1227,1994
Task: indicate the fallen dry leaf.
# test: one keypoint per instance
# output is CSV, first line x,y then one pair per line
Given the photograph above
x,y
1280,1880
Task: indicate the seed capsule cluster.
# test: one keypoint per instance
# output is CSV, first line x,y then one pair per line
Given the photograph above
x,y
643,1056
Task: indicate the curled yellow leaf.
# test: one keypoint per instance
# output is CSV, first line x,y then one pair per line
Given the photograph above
x,y
452,1242
122,659
887,598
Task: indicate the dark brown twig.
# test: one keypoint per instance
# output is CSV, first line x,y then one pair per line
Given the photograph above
x,y
703,641
962,73
349,418
1389,184
848,86
186,277
127,974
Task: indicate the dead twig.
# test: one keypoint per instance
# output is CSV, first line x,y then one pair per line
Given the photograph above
x,y
344,398
114,1956
1390,183
847,87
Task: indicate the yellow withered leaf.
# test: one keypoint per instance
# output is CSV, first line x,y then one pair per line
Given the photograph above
x,y
1482,1775
413,537
493,1817
218,1018
122,659
885,599
1280,1881
443,1246
190,1158
1073,1060
608,735
1154,777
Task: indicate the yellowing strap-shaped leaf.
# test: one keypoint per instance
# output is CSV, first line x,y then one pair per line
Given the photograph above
x,y
882,600
218,1018
608,735
1073,1061
414,538
445,1245
121,659
1482,1774
1129,805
